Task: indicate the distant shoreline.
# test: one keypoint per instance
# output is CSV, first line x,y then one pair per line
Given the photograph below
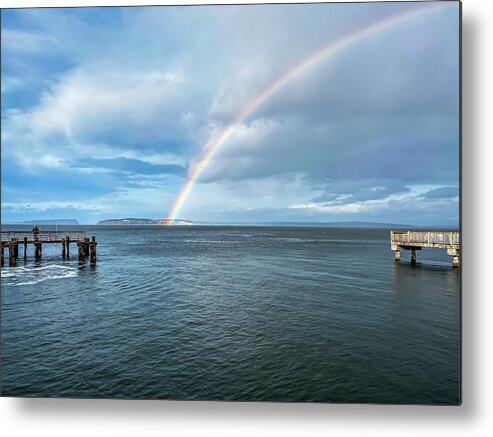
x,y
183,223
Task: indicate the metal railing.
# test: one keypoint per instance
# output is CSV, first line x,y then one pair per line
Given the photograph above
x,y
43,235
425,237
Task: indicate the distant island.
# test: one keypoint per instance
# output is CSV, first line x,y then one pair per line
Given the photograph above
x,y
144,221
51,222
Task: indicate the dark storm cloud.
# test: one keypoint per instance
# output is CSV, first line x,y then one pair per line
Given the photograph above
x,y
385,109
413,149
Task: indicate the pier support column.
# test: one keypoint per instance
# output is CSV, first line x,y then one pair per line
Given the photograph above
x,y
397,256
15,245
455,256
25,247
413,256
455,261
2,255
92,248
12,258
67,245
38,249
63,247
86,246
80,248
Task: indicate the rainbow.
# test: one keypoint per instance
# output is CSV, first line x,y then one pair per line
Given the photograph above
x,y
216,142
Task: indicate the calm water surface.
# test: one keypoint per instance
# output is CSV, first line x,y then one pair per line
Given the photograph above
x,y
233,313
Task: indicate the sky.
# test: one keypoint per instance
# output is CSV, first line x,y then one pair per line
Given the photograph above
x,y
105,111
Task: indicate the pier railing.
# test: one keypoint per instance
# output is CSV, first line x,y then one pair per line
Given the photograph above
x,y
425,238
46,236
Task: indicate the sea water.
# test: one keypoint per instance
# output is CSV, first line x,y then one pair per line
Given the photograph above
x,y
233,313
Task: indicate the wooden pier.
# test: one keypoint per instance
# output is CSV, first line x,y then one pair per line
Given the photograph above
x,y
12,240
416,240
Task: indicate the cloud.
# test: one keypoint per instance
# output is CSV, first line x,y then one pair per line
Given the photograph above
x,y
27,42
361,189
386,147
122,115
87,105
51,205
134,166
357,207
369,114
10,84
442,193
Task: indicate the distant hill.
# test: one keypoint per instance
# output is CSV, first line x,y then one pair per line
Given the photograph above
x,y
143,221
51,222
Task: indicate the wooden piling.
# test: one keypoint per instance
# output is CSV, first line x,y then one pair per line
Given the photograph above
x,y
12,258
80,248
38,249
2,255
86,247
92,248
63,247
15,248
397,256
25,247
67,245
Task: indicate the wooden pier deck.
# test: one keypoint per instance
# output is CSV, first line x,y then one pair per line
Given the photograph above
x,y
417,240
13,239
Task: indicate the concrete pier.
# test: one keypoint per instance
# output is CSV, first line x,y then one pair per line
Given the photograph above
x,y
417,240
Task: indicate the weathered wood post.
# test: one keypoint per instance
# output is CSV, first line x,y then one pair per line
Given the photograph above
x,y
63,247
16,248
397,255
86,246
80,248
38,249
2,255
413,256
93,250
67,245
25,247
12,258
